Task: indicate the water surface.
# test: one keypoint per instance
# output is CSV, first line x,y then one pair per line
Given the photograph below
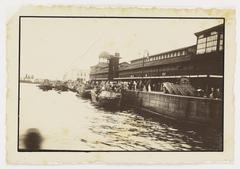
x,y
68,122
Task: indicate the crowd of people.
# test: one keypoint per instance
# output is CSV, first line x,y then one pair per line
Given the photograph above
x,y
209,92
136,85
148,86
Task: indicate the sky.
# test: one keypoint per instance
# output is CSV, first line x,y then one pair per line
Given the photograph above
x,y
50,47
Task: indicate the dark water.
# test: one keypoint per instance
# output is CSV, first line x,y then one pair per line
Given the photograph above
x,y
68,122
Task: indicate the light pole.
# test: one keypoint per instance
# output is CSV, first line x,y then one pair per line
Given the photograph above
x,y
142,65
144,55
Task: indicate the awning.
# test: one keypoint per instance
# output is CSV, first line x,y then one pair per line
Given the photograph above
x,y
100,79
216,76
167,77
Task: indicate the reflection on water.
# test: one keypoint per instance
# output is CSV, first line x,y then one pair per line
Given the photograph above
x,y
68,122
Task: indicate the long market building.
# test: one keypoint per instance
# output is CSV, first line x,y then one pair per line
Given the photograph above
x,y
202,63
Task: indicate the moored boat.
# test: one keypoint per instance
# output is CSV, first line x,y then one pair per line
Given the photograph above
x,y
106,99
84,91
60,86
45,85
86,94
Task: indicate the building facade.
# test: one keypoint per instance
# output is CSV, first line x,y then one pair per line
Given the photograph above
x,y
202,63
107,68
77,74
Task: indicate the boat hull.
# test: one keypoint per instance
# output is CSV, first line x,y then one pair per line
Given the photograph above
x,y
45,87
61,88
105,101
109,103
86,94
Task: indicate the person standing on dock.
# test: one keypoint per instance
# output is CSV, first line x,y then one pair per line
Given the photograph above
x,y
149,87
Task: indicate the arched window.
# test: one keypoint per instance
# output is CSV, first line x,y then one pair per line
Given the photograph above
x,y
179,53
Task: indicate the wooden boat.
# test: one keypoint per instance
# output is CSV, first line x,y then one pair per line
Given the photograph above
x,y
60,86
71,86
45,85
106,99
84,92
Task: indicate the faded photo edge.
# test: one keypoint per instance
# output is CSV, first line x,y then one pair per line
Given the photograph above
x,y
15,157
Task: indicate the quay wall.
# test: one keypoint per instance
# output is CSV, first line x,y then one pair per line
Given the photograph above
x,y
185,108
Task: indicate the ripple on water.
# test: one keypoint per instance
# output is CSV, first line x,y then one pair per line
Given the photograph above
x,y
88,127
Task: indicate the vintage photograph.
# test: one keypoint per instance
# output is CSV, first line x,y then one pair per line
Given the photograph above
x,y
106,84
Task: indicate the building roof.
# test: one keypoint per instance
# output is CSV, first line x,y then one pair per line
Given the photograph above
x,y
164,52
124,63
218,27
179,49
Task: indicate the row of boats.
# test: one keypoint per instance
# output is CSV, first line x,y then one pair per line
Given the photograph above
x,y
103,98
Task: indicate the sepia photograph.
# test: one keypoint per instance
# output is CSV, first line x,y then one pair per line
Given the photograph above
x,y
113,84
120,85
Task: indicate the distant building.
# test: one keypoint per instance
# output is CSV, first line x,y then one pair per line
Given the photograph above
x,y
27,78
77,74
